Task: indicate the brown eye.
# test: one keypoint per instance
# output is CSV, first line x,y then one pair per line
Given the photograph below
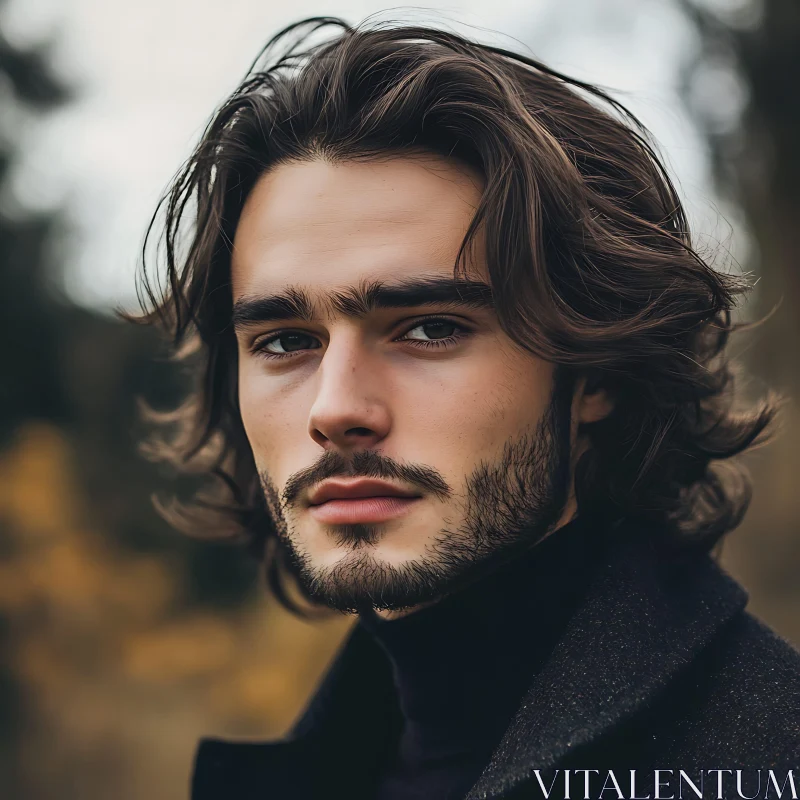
x,y
437,329
284,344
435,333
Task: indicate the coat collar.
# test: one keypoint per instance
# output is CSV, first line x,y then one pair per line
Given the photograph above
x,y
648,613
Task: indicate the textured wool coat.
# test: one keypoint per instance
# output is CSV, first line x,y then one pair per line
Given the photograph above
x,y
660,668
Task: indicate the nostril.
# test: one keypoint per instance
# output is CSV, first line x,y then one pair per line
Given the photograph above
x,y
360,431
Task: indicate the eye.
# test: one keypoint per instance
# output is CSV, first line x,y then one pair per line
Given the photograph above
x,y
285,343
433,332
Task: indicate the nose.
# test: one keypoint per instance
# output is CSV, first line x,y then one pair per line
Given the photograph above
x,y
350,410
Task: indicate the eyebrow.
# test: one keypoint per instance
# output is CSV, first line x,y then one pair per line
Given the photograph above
x,y
355,302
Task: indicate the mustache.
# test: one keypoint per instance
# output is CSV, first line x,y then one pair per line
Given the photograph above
x,y
365,464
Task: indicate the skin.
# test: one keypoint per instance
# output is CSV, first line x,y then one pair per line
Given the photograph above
x,y
362,383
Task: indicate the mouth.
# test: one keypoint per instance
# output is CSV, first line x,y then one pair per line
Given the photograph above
x,y
350,502
378,508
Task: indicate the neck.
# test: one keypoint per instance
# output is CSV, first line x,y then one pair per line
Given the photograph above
x,y
570,513
462,665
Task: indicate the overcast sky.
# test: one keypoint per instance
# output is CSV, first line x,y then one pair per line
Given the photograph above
x,y
149,73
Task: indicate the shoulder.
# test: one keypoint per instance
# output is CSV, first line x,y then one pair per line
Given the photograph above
x,y
758,666
750,677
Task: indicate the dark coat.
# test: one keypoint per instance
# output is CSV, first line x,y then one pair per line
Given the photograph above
x,y
660,668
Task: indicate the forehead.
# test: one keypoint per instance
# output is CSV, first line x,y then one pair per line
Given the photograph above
x,y
328,226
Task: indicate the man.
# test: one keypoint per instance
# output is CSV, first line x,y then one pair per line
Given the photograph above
x,y
462,374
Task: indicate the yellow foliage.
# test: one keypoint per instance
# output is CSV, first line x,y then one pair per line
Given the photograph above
x,y
105,656
37,494
188,648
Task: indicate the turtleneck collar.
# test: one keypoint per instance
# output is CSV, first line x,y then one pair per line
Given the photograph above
x,y
462,665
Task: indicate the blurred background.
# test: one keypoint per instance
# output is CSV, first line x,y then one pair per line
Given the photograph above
x,y
121,641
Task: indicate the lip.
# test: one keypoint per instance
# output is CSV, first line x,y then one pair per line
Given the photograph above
x,y
349,490
362,509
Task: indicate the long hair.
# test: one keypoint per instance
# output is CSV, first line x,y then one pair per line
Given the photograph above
x,y
587,245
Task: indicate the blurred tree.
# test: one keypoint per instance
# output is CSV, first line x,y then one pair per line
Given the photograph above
x,y
79,369
742,89
30,386
86,565
29,327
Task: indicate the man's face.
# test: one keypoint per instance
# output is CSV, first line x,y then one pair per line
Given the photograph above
x,y
404,384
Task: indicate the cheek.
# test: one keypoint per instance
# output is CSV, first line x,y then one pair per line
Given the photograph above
x,y
269,420
456,418
513,394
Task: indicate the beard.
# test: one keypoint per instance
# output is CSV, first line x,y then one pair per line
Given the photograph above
x,y
511,504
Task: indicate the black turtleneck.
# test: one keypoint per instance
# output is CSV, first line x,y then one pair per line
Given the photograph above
x,y
462,666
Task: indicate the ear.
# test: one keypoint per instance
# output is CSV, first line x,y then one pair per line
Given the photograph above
x,y
593,401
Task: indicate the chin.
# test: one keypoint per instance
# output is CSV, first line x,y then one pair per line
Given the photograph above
x,y
381,554
371,577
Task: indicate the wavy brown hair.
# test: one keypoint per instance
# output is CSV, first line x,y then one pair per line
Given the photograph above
x,y
586,241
